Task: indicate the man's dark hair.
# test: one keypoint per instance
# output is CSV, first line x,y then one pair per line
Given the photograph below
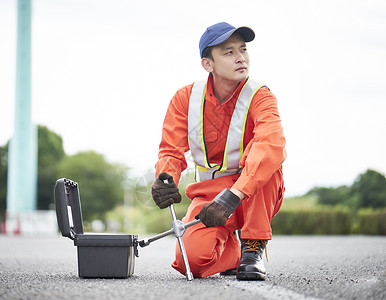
x,y
208,53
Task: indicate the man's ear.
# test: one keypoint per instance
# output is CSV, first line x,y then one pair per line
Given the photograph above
x,y
207,64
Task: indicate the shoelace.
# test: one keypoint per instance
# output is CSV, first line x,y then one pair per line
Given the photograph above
x,y
254,245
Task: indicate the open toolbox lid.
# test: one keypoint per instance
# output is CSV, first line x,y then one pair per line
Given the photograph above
x,y
69,215
68,209
99,255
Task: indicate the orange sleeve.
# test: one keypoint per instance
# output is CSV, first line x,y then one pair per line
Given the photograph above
x,y
174,142
265,152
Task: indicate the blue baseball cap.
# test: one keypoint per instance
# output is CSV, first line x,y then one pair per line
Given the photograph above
x,y
220,32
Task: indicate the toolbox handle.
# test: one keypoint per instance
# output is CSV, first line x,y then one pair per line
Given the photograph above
x,y
68,209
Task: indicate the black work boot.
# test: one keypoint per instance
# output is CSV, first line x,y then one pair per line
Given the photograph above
x,y
230,272
251,266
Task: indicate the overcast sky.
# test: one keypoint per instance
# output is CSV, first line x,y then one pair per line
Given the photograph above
x,y
103,73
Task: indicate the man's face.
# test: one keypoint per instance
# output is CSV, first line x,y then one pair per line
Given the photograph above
x,y
230,60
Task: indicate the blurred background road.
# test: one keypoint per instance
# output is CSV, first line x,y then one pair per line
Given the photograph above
x,y
300,267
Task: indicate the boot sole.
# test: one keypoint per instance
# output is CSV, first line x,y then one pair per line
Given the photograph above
x,y
229,272
250,276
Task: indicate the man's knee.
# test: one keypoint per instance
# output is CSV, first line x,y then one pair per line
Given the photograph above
x,y
201,254
203,247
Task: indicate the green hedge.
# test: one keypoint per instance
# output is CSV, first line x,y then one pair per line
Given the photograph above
x,y
320,220
326,221
371,221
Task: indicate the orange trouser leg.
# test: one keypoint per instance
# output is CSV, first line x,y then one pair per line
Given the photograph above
x,y
215,249
209,250
255,214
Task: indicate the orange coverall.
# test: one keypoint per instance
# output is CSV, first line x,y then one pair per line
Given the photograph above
x,y
215,249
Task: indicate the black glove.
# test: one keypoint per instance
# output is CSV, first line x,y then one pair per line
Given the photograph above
x,y
165,194
218,211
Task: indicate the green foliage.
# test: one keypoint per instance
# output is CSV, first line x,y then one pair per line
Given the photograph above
x,y
368,191
50,153
100,183
303,215
341,195
3,180
305,202
371,189
321,220
371,221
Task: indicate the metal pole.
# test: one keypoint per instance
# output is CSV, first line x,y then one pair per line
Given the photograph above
x,y
22,170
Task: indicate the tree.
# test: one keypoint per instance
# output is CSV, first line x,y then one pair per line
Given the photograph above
x,y
100,183
336,196
3,180
332,196
371,189
50,153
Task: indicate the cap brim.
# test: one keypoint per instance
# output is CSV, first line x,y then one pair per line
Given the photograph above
x,y
245,32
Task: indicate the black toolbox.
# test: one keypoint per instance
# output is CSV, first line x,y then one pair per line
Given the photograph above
x,y
99,255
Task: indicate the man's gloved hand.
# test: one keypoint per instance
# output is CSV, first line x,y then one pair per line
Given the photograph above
x,y
165,194
218,211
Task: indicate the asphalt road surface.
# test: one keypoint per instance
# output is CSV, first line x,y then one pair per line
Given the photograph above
x,y
299,267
